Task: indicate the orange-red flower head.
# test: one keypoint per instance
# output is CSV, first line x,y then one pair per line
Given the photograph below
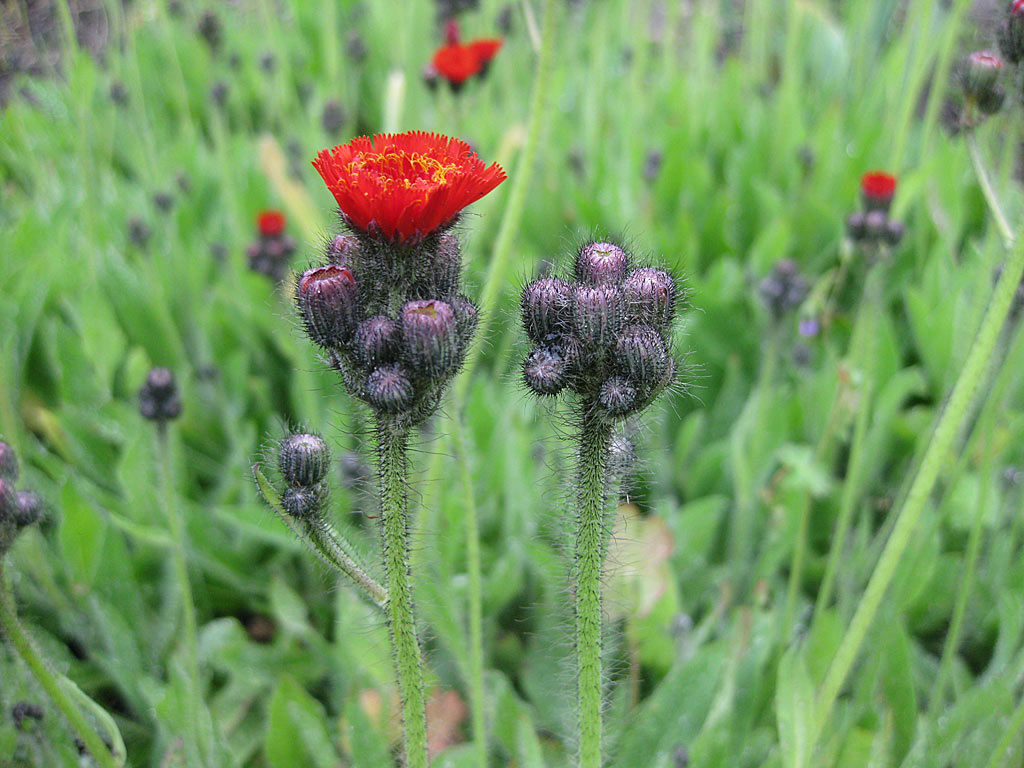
x,y
877,189
270,223
486,49
457,63
404,186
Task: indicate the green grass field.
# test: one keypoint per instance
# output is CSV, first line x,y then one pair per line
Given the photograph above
x,y
714,137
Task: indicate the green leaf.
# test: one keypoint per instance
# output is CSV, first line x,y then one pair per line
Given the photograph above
x,y
82,532
296,733
794,710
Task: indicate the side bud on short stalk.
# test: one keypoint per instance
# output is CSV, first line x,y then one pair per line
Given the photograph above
x,y
617,396
341,249
601,264
545,371
389,390
377,341
158,397
546,308
303,459
979,78
327,300
649,295
430,338
467,317
304,502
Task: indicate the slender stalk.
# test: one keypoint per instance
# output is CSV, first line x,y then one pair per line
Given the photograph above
x,y
951,420
591,545
987,189
1005,745
477,702
393,475
48,679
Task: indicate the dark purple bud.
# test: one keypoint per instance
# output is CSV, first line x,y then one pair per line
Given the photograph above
x,y
601,264
139,233
304,502
333,117
8,462
28,508
210,30
430,338
992,100
641,353
326,298
303,459
119,93
546,307
617,396
341,249
431,77
355,47
894,232
652,165
163,201
783,289
875,223
378,341
856,227
467,316
1011,33
158,397
389,390
25,710
598,315
545,371
8,507
219,93
268,63
442,268
649,295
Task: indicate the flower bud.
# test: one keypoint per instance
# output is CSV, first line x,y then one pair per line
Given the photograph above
x,y
544,371
8,506
1011,33
377,341
442,267
389,390
8,462
856,227
28,508
649,296
430,338
598,314
601,264
617,396
783,289
303,459
341,249
640,352
992,100
877,189
467,316
158,397
893,232
546,307
979,75
875,223
326,297
304,502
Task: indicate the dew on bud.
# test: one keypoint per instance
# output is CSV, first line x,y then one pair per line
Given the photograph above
x,y
544,371
389,390
303,459
601,264
546,307
326,297
430,338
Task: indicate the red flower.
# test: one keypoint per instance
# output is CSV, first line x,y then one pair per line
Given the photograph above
x,y
457,63
878,186
270,223
1017,7
404,186
487,48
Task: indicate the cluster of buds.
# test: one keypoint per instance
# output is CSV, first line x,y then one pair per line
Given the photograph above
x,y
158,397
271,254
872,226
978,77
456,62
18,509
304,461
783,289
606,335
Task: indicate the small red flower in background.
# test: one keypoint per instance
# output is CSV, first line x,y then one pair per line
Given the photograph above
x,y
270,223
456,63
404,186
1017,7
878,187
486,48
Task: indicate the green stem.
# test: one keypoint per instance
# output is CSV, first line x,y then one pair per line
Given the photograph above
x,y
477,702
987,189
951,420
591,544
1002,750
393,475
48,679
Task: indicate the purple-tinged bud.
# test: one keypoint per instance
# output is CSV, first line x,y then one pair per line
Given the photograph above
x,y
601,264
640,352
333,117
598,315
431,77
992,100
649,295
546,308
545,371
1011,33
8,462
389,390
617,396
783,289
341,249
23,711
378,341
441,268
8,506
875,223
28,508
158,397
304,502
467,317
326,297
809,327
856,226
430,338
303,459
979,75
893,232
210,30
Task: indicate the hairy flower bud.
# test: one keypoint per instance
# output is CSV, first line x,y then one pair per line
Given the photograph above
x,y
377,341
430,338
546,308
303,459
442,267
326,298
158,397
389,390
617,396
783,289
341,249
640,353
649,296
467,316
8,462
598,314
601,264
1011,33
875,223
28,508
544,371
992,100
856,227
304,502
979,75
8,506
893,232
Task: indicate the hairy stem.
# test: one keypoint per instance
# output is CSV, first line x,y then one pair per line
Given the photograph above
x,y
393,476
591,545
950,422
48,679
989,192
